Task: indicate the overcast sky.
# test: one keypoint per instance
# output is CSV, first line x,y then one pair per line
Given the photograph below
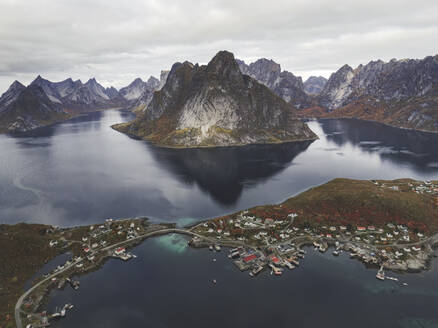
x,y
116,41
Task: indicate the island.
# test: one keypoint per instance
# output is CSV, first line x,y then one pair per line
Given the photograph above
x,y
389,225
215,105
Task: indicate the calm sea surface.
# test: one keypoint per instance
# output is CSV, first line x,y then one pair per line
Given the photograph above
x,y
81,172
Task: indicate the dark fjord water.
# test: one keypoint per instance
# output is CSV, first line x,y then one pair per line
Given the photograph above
x,y
82,172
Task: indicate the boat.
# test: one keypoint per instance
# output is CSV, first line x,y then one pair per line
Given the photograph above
x,y
68,306
75,284
214,260
214,281
234,255
210,247
256,270
277,271
217,248
289,265
380,274
294,261
336,253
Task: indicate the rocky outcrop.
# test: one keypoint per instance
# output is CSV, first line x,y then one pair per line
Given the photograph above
x,y
282,83
314,85
215,105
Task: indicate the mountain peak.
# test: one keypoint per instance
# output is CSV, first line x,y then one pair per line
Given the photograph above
x,y
137,81
16,85
92,81
224,65
38,80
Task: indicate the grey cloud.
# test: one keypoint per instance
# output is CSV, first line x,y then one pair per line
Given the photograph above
x,y
116,41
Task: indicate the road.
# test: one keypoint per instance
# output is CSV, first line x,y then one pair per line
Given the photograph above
x,y
19,303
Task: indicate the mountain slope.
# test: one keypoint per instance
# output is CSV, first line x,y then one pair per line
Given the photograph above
x,y
402,93
44,102
314,85
215,105
30,109
143,93
283,83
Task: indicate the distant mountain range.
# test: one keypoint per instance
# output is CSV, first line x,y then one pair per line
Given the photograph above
x,y
402,93
216,105
44,102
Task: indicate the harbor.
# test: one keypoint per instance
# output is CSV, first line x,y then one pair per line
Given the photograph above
x,y
320,276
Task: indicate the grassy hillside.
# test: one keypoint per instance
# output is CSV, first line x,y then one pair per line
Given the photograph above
x,y
355,203
24,249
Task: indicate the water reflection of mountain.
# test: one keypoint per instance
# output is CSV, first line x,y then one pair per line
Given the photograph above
x,y
397,145
223,172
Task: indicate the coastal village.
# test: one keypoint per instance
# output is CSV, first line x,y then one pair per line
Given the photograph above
x,y
90,246
276,243
271,238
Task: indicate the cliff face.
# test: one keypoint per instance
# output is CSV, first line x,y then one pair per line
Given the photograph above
x,y
283,83
215,105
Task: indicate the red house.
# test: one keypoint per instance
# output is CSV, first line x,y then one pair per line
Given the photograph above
x,y
250,258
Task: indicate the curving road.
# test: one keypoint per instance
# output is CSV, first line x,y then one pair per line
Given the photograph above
x,y
18,319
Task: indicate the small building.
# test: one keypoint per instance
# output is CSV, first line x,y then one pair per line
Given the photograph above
x,y
119,250
249,258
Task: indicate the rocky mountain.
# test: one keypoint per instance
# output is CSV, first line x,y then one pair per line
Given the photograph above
x,y
215,105
402,93
282,83
10,96
163,78
44,102
314,85
112,92
77,96
23,109
140,92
